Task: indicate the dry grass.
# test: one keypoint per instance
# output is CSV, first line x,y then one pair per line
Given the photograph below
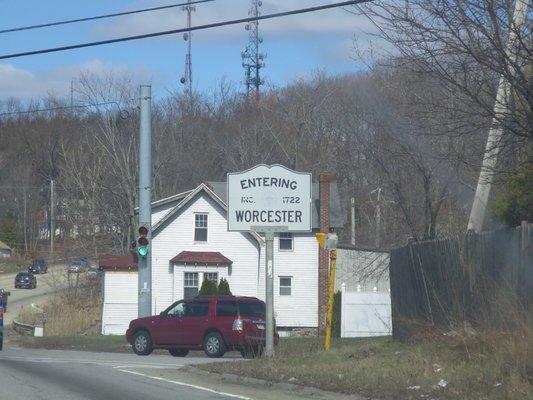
x,y
14,264
498,366
70,312
96,343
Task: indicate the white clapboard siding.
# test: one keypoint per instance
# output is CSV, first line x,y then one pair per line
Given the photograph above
x,y
365,314
120,302
299,310
178,235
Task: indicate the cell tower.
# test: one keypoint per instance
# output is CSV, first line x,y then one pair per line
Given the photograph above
x,y
252,59
186,79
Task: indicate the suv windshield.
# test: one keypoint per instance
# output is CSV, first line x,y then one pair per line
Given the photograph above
x,y
38,262
251,309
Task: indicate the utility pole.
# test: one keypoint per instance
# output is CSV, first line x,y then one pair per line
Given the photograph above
x,y
269,294
377,242
52,217
187,36
352,210
145,198
71,92
492,148
24,219
252,58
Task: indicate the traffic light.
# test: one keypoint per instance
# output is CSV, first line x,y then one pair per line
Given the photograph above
x,y
142,242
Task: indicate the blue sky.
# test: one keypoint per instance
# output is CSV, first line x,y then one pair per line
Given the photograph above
x,y
296,46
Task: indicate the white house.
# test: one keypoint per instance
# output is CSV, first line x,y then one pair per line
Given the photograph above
x,y
190,243
5,250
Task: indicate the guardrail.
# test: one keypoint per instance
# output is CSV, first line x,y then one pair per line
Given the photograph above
x,y
22,328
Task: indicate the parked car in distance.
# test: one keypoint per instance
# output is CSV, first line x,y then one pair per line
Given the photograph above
x,y
78,266
215,324
38,266
3,298
25,280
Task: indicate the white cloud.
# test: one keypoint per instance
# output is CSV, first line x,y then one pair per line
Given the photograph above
x,y
24,84
321,23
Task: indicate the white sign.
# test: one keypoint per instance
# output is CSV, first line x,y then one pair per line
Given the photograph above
x,y
269,198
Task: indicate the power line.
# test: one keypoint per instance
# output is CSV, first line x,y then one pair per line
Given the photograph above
x,y
182,30
71,21
123,113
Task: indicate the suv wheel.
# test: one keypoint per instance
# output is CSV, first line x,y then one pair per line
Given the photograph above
x,y
178,352
142,343
214,345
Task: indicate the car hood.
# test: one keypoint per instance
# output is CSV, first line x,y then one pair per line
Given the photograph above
x,y
145,320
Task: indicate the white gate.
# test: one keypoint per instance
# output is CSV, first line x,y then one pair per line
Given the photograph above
x,y
365,314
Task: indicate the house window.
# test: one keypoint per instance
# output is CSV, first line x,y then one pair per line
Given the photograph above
x,y
285,285
190,284
211,276
286,241
200,227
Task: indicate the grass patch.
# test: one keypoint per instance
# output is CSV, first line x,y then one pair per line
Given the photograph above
x,y
97,343
13,266
498,367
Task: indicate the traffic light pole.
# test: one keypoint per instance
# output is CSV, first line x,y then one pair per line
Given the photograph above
x,y
145,198
269,294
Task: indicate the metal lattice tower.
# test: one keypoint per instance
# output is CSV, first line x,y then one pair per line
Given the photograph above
x,y
187,75
252,59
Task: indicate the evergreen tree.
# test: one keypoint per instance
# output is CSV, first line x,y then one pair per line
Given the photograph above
x,y
10,234
223,287
209,288
516,204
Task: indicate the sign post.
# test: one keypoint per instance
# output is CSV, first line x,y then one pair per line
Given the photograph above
x,y
269,200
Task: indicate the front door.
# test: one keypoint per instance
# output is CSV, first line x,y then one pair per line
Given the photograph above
x,y
194,323
170,330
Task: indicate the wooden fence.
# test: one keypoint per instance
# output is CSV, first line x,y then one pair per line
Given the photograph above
x,y
485,280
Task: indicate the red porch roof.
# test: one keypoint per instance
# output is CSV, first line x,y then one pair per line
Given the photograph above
x,y
125,262
201,257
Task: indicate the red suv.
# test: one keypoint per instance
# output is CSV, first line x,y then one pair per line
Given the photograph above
x,y
215,324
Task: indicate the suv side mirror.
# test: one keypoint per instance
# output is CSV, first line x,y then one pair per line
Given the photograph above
x,y
163,314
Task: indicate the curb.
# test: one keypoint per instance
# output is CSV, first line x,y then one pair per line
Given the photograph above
x,y
285,386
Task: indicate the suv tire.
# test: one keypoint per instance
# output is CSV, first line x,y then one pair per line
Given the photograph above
x,y
214,345
178,352
142,343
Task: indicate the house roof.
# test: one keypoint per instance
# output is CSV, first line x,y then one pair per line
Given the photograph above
x,y
202,257
109,262
4,246
167,200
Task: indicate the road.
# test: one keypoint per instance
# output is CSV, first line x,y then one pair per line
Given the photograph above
x,y
38,374
47,284
61,375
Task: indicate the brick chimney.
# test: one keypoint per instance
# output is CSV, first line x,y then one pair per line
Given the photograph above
x,y
323,255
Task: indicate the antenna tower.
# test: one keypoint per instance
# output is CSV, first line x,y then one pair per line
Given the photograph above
x,y
186,79
252,59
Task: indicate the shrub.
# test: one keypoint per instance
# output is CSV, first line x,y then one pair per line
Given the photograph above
x,y
223,287
336,322
209,288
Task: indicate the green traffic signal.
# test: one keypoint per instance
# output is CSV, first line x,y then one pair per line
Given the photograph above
x,y
143,251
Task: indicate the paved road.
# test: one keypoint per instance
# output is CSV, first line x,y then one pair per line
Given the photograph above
x,y
28,374
47,284
37,374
